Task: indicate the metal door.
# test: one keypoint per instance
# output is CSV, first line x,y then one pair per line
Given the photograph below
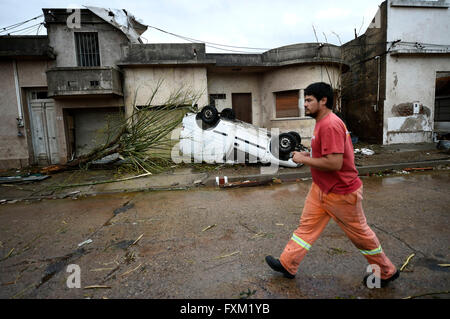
x,y
43,125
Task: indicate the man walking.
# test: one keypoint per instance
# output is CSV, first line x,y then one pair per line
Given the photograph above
x,y
336,192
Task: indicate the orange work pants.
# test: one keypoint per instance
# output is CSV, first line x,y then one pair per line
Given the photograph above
x,y
346,210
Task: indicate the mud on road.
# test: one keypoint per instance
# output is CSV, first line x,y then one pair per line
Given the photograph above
x,y
211,243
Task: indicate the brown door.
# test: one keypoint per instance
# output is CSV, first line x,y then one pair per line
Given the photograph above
x,y
242,106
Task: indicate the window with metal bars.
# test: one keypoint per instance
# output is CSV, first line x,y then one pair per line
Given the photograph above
x,y
88,53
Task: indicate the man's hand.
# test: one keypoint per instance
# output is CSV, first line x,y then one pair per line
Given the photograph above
x,y
298,157
330,162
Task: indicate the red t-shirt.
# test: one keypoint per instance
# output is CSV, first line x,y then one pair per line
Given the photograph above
x,y
331,136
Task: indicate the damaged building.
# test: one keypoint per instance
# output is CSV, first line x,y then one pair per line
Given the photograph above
x,y
397,89
60,98
60,91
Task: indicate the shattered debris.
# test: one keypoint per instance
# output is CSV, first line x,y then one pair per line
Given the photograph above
x,y
406,262
97,287
137,240
228,255
85,242
246,183
124,208
23,179
364,151
209,227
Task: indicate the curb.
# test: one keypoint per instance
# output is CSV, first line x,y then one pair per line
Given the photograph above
x,y
210,181
362,170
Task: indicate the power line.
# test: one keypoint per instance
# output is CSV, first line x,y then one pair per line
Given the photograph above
x,y
16,25
27,28
206,42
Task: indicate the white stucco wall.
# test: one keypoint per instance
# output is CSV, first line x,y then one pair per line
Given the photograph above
x,y
145,80
411,78
62,40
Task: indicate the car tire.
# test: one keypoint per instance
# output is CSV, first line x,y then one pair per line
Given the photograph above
x,y
298,139
209,114
287,143
228,114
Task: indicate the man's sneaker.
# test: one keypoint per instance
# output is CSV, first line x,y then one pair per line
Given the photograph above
x,y
383,282
276,265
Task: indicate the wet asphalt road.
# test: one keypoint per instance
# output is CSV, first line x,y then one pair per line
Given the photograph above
x,y
211,243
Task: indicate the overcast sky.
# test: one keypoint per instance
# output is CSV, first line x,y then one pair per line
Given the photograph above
x,y
244,23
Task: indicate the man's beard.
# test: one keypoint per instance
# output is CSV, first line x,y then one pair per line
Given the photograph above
x,y
313,115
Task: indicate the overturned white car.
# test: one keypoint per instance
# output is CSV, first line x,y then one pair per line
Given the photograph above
x,y
213,137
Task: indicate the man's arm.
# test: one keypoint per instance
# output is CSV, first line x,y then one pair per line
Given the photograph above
x,y
327,163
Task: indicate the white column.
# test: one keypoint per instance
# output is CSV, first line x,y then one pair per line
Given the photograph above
x,y
301,103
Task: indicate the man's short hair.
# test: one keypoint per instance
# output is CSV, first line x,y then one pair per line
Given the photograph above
x,y
320,90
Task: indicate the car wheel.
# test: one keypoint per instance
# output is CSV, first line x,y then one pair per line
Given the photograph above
x,y
228,114
298,139
209,114
287,142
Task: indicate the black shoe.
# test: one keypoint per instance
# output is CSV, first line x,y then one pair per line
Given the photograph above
x,y
383,282
277,266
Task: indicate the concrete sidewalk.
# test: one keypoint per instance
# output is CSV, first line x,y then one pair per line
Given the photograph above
x,y
393,159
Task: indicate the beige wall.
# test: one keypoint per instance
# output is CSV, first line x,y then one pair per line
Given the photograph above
x,y
293,78
144,80
14,150
263,87
62,39
227,83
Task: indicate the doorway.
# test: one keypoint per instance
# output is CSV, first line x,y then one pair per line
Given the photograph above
x,y
43,128
242,106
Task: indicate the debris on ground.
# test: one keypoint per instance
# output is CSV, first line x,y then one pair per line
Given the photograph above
x,y
137,240
228,255
101,269
130,271
276,180
85,242
246,294
246,183
364,151
97,287
336,251
8,255
124,208
403,172
71,194
407,261
208,228
428,294
418,169
23,179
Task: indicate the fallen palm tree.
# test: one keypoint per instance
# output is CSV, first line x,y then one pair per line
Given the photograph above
x,y
142,140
